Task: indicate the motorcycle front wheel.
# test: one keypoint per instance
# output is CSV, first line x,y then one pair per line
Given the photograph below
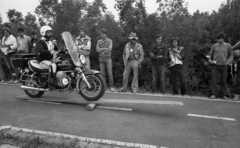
x,y
97,89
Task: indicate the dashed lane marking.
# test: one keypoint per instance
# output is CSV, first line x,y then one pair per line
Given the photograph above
x,y
36,101
114,108
211,117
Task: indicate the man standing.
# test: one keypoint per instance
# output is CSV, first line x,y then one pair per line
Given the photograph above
x,y
9,46
104,47
158,55
24,43
220,56
84,43
132,57
34,39
236,53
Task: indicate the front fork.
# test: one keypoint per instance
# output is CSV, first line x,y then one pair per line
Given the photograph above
x,y
85,79
81,75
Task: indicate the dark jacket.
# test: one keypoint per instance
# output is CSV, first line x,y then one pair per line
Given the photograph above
x,y
158,51
43,52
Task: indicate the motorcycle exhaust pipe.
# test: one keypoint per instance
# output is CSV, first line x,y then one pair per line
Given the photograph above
x,y
33,88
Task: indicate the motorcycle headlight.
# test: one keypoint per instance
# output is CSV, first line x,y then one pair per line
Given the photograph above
x,y
82,59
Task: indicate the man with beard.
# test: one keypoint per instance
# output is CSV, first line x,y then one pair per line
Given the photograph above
x,y
132,57
46,54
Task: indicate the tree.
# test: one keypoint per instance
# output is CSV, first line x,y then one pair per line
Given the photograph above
x,y
15,20
47,10
30,23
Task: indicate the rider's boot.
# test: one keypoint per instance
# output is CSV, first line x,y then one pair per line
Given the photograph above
x,y
51,81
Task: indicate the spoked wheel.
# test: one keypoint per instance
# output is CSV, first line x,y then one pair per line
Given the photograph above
x,y
97,89
32,83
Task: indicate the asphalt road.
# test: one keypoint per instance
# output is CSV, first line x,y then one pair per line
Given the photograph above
x,y
161,125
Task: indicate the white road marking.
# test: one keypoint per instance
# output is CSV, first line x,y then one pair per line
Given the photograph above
x,y
115,108
177,96
211,117
86,139
44,102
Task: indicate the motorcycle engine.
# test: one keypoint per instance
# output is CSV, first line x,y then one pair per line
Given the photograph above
x,y
62,79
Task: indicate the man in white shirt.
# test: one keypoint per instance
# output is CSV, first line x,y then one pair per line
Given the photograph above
x,y
24,41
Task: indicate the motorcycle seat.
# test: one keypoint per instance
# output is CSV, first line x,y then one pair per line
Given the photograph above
x,y
34,65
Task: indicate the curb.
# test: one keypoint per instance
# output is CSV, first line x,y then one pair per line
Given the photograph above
x,y
46,136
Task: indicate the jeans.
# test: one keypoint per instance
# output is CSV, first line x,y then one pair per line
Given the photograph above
x,y
10,65
161,69
131,65
107,63
2,72
237,84
177,70
221,70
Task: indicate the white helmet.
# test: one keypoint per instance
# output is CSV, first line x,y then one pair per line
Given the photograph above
x,y
44,29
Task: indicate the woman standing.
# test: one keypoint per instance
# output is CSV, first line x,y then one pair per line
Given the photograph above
x,y
9,46
176,56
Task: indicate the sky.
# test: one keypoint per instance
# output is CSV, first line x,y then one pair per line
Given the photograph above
x,y
25,6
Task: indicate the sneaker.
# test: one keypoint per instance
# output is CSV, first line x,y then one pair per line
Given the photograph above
x,y
134,91
213,97
9,82
112,89
236,98
16,82
225,98
3,81
121,90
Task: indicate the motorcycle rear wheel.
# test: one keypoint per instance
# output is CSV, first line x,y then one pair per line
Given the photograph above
x,y
97,86
30,93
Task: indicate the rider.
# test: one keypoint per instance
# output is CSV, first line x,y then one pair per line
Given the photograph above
x,y
46,54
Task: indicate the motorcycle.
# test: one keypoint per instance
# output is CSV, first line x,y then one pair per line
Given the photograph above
x,y
71,75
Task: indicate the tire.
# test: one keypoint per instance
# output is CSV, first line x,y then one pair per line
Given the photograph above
x,y
98,84
32,94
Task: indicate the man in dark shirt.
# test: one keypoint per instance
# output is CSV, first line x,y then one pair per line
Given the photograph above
x,y
104,48
158,55
220,56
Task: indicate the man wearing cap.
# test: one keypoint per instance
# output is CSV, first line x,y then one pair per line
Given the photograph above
x,y
132,57
104,48
84,43
9,46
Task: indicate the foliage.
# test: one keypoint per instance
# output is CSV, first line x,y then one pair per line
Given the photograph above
x,y
196,31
